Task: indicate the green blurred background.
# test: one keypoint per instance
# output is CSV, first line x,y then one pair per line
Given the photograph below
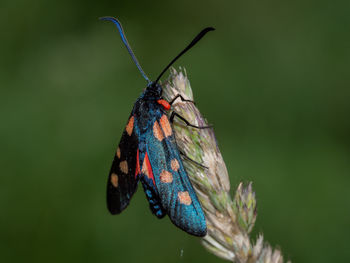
x,y
273,79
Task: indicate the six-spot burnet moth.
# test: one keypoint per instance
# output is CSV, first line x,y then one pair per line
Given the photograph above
x,y
148,152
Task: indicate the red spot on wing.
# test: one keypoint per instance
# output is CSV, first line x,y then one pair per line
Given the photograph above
x,y
130,126
149,168
137,171
165,104
166,127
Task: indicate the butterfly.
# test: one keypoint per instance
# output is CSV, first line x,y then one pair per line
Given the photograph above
x,y
148,152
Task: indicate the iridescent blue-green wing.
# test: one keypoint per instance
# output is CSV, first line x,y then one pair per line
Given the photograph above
x,y
175,190
122,179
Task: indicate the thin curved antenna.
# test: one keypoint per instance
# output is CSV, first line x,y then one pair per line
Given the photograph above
x,y
194,41
126,43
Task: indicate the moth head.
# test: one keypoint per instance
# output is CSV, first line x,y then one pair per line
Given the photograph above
x,y
154,89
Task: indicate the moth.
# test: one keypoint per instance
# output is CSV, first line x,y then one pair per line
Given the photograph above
x,y
148,152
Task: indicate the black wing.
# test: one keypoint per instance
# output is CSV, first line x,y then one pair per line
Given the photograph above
x,y
122,181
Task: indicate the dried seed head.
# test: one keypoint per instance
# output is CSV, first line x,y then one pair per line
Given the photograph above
x,y
229,221
245,207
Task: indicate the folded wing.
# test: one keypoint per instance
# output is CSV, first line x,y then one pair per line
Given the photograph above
x,y
175,190
122,182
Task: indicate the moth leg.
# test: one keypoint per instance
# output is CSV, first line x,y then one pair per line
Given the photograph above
x,y
182,99
191,160
175,114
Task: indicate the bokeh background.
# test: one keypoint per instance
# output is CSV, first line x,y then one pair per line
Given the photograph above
x,y
273,79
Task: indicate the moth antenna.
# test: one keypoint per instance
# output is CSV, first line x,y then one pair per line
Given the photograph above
x,y
194,41
126,43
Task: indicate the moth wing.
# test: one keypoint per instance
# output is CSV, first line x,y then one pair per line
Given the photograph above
x,y
178,198
122,182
